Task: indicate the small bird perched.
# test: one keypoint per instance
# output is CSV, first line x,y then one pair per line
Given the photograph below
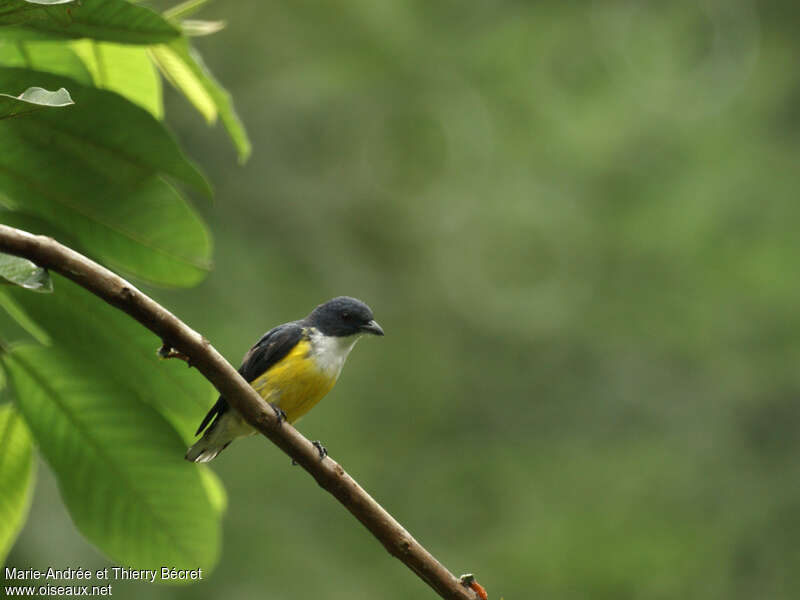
x,y
292,367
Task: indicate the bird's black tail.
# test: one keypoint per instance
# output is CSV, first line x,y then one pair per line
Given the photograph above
x,y
216,437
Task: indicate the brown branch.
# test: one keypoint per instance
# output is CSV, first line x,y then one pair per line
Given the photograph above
x,y
48,253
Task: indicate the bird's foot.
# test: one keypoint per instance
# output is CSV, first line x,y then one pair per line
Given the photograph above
x,y
323,451
279,414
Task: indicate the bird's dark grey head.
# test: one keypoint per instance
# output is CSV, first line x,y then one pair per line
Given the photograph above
x,y
344,316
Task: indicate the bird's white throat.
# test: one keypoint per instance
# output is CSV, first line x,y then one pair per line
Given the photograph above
x,y
330,351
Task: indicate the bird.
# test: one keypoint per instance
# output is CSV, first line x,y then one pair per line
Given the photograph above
x,y
292,366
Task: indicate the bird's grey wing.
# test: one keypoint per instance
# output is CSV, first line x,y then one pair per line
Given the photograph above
x,y
272,347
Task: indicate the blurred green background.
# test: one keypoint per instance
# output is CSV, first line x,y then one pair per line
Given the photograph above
x,y
577,223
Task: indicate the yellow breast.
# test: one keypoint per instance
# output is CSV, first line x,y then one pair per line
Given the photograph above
x,y
295,383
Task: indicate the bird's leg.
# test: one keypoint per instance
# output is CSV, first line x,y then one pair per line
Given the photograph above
x,y
279,413
323,451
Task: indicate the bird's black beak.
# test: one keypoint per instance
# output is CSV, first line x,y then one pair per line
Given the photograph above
x,y
372,327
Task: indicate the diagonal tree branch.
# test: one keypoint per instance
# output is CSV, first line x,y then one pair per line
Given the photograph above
x,y
48,253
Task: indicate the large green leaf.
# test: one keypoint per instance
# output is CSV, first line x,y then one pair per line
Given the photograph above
x,y
31,100
14,34
96,173
51,56
180,394
107,20
215,491
184,69
119,465
150,231
16,476
124,69
20,11
13,309
105,126
22,272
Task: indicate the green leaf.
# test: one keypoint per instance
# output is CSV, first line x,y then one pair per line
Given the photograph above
x,y
97,175
21,317
184,69
119,465
22,272
124,69
75,319
31,100
109,128
20,33
184,79
111,21
213,486
150,231
21,11
16,476
53,57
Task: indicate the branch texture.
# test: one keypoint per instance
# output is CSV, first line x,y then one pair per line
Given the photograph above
x,y
48,253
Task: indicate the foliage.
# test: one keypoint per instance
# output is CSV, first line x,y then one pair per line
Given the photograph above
x,y
16,475
88,159
119,464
